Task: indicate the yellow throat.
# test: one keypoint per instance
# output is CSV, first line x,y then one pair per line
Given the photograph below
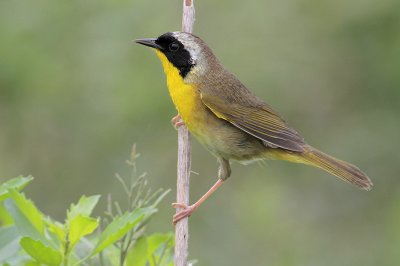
x,y
184,96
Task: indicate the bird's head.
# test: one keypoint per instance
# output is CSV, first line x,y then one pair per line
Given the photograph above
x,y
183,51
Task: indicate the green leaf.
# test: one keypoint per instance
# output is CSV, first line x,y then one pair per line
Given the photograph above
x,y
137,256
57,229
5,217
111,256
17,183
159,248
27,218
32,263
80,226
41,252
155,240
120,226
84,206
9,242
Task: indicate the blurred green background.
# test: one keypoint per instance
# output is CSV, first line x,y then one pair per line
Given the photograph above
x,y
76,93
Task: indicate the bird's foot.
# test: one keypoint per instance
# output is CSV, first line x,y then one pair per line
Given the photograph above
x,y
177,121
185,212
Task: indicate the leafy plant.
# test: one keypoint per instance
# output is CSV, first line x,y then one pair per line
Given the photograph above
x,y
28,237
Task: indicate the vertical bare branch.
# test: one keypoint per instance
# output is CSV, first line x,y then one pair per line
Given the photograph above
x,y
182,194
188,16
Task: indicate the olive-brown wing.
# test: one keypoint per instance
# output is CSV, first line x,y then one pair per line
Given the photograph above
x,y
259,121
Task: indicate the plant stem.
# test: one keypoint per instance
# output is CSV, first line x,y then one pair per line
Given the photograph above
x,y
182,193
66,250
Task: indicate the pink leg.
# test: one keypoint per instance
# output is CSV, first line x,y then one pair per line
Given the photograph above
x,y
177,121
188,210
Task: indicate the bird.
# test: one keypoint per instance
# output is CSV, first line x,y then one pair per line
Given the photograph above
x,y
228,119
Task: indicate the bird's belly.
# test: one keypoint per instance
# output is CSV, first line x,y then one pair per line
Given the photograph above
x,y
219,136
224,140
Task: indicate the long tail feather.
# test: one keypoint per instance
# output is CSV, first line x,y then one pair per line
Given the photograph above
x,y
345,171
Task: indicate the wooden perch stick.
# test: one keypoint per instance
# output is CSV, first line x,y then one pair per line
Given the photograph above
x,y
182,185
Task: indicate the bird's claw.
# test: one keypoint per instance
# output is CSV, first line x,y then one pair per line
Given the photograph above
x,y
185,211
177,121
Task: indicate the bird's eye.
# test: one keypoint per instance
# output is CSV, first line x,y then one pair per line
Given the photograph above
x,y
173,47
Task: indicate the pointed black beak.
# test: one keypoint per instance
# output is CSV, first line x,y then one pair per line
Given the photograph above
x,y
151,42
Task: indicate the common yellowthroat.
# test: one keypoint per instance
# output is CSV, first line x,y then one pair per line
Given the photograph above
x,y
228,119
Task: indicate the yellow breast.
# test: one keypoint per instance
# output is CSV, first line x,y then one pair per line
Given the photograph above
x,y
185,97
219,138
